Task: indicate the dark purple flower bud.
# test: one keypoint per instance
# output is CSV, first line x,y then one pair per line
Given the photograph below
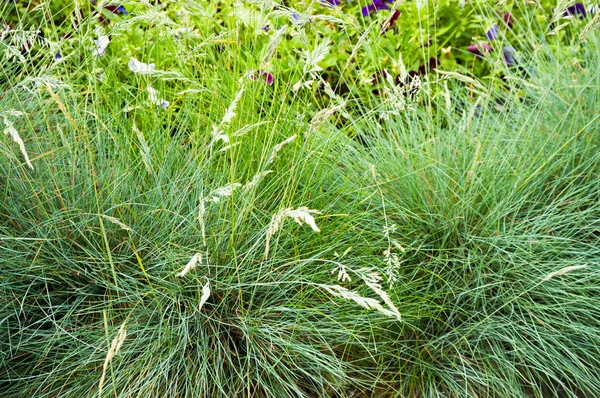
x,y
474,48
432,64
58,56
380,76
267,78
266,28
508,19
576,9
493,32
391,21
394,17
509,55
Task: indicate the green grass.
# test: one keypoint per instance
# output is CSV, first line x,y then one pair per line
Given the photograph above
x,y
460,205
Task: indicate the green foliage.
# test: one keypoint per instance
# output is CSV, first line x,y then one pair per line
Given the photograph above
x,y
457,215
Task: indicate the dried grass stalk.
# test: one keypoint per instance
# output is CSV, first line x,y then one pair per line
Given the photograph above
x,y
115,346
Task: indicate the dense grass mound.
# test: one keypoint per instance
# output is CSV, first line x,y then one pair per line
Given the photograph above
x,y
492,215
205,229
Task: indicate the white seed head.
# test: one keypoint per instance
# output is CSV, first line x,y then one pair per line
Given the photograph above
x,y
303,215
115,346
205,295
190,265
11,131
563,271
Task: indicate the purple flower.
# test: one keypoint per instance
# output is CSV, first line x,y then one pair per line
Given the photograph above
x,y
376,5
58,56
474,48
509,55
577,8
493,32
266,28
267,78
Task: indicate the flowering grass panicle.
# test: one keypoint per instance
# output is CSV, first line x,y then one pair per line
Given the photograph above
x,y
116,221
302,215
255,180
196,258
222,192
275,151
115,346
205,295
563,271
11,131
323,116
365,302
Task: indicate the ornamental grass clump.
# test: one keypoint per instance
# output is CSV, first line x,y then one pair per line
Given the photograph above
x,y
193,249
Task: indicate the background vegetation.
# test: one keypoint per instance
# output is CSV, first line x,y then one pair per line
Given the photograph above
x,y
292,199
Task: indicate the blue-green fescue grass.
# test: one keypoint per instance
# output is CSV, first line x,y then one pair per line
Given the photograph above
x,y
491,204
467,220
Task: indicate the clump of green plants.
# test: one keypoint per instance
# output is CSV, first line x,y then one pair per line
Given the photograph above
x,y
193,206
